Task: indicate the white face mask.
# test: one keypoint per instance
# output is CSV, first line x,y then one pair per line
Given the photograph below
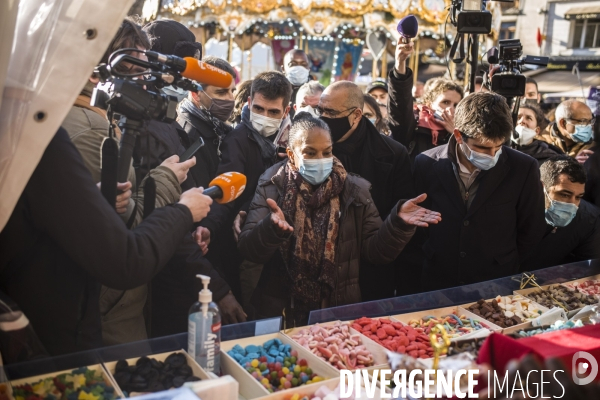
x,y
297,75
308,109
526,135
264,125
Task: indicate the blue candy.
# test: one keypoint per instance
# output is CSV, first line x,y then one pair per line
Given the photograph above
x,y
279,359
245,360
270,359
265,372
304,378
269,343
273,352
252,349
238,349
252,355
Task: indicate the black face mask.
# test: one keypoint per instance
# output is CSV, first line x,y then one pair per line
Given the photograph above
x,y
338,126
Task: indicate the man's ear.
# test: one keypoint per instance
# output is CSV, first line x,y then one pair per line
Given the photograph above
x,y
537,130
286,112
457,136
562,123
94,80
295,107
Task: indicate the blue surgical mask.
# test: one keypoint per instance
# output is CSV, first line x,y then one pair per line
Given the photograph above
x,y
373,120
560,214
480,160
315,171
583,133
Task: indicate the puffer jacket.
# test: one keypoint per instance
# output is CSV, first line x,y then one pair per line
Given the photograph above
x,y
362,235
552,136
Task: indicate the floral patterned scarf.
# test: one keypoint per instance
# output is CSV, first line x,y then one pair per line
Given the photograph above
x,y
310,253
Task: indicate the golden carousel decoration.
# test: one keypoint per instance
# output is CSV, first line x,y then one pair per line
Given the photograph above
x,y
336,34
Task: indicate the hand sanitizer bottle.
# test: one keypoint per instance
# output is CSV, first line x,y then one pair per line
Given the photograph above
x,y
204,330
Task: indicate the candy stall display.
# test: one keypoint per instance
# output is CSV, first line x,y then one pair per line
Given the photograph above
x,y
86,383
272,363
155,373
559,296
340,345
395,336
589,287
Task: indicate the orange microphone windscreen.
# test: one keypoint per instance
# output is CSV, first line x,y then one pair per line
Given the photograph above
x,y
204,73
231,183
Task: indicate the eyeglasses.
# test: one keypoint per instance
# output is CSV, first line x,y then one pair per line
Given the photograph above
x,y
326,112
583,122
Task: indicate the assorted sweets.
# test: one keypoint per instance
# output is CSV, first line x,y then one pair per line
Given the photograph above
x,y
275,365
455,325
395,336
80,384
150,375
562,296
336,345
519,306
491,311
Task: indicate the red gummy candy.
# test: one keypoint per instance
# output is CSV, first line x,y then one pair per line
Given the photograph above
x,y
381,333
413,353
302,362
389,329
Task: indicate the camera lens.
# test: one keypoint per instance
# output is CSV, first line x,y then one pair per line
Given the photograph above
x,y
509,83
474,20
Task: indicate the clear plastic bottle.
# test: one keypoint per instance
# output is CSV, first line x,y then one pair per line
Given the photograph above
x,y
204,330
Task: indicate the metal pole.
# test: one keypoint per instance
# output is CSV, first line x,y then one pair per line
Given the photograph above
x,y
384,63
416,61
230,48
473,61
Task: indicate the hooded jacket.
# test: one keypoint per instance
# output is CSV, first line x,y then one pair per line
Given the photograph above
x,y
362,236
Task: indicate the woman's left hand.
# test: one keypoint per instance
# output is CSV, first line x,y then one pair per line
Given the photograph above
x,y
448,120
412,214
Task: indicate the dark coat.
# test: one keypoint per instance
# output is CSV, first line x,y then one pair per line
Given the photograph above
x,y
55,252
207,158
592,185
360,238
578,241
159,141
385,164
503,224
240,153
539,150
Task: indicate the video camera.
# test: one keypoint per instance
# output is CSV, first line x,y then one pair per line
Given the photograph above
x,y
139,99
507,81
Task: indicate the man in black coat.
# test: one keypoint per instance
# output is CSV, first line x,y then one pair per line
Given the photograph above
x,y
375,157
490,197
54,253
573,225
248,149
204,115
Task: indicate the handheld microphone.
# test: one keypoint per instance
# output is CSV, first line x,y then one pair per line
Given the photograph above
x,y
226,187
408,27
204,73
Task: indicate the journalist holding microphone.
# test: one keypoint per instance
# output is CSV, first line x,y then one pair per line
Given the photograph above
x,y
311,222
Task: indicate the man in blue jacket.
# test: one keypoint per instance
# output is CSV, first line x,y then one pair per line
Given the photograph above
x,y
490,196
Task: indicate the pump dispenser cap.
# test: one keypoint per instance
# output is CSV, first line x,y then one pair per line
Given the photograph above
x,y
205,296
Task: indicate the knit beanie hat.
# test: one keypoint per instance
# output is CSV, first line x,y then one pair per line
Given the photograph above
x,y
169,37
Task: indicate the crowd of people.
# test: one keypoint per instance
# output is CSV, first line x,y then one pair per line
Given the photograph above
x,y
351,196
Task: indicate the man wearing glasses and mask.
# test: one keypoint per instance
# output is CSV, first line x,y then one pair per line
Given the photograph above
x,y
377,158
573,130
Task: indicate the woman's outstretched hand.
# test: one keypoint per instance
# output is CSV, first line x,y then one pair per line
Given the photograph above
x,y
278,219
413,214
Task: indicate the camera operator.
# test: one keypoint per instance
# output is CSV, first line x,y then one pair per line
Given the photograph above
x,y
204,114
572,130
573,224
55,253
532,95
528,127
122,311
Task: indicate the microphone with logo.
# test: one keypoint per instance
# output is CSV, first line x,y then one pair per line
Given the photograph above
x,y
226,187
408,27
194,69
